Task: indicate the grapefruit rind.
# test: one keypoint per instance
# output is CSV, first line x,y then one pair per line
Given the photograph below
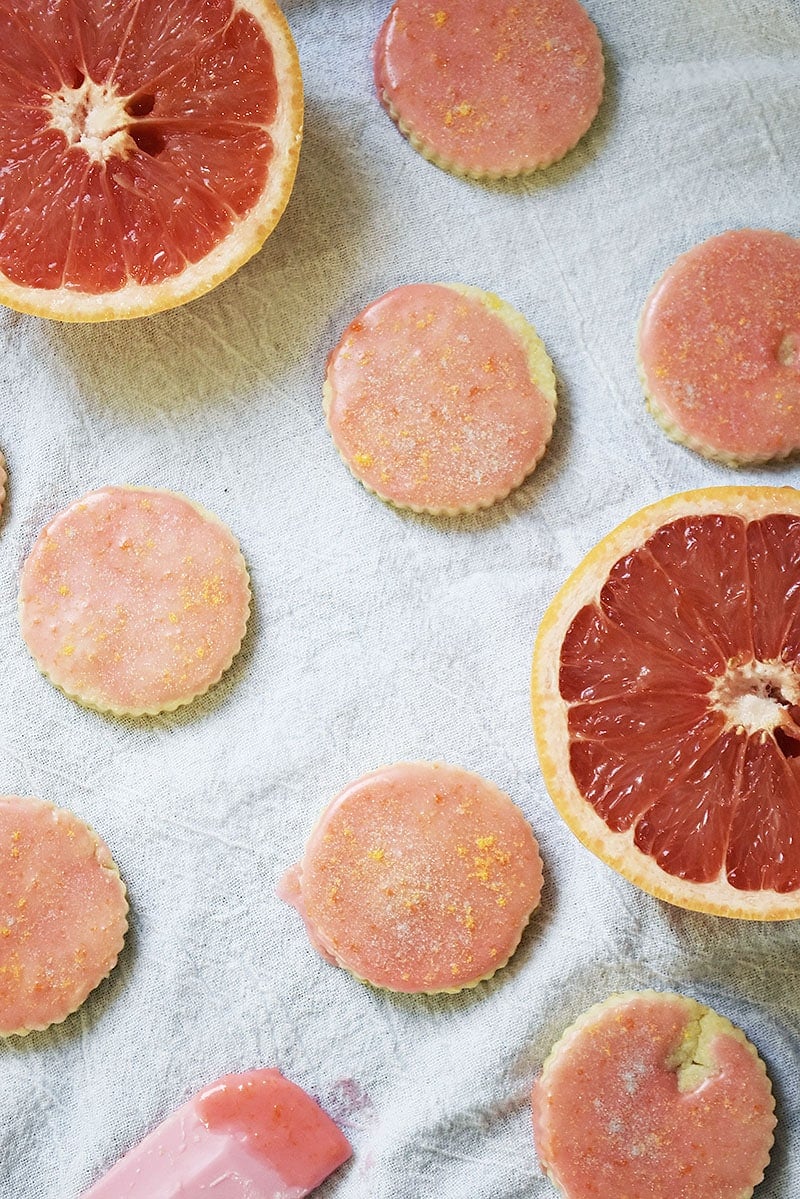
x,y
245,239
703,1025
542,374
104,856
107,709
717,898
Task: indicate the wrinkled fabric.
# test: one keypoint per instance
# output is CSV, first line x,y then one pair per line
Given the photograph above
x,y
377,636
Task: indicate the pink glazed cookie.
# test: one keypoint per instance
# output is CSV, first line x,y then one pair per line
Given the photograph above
x,y
248,1136
719,347
440,398
419,878
63,914
489,88
652,1094
134,601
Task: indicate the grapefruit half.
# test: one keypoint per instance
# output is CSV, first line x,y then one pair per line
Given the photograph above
x,y
666,701
147,149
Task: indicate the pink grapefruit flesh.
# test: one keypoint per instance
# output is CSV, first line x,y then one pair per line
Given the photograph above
x,y
146,149
667,700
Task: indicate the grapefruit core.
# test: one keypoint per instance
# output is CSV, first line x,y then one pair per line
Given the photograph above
x,y
666,701
147,149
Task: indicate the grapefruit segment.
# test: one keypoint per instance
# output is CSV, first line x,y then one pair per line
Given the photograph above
x,y
666,698
774,549
147,149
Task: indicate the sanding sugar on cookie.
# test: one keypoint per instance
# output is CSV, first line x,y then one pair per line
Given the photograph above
x,y
486,88
719,347
419,877
440,398
653,1094
63,914
134,601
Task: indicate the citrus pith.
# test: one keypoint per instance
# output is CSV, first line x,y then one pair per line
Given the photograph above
x,y
146,150
666,701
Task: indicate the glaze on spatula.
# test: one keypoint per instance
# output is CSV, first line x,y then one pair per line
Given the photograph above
x,y
248,1136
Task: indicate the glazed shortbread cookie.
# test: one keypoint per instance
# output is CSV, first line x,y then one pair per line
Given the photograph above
x,y
63,914
490,89
719,347
440,398
134,601
419,877
652,1094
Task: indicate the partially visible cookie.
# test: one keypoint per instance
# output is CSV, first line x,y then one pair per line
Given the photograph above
x,y
419,877
653,1094
440,398
490,89
719,347
63,914
134,601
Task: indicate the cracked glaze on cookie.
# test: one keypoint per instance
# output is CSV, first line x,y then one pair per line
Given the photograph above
x,y
719,347
653,1094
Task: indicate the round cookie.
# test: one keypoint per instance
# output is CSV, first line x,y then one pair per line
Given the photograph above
x,y
653,1094
134,601
719,347
489,89
418,878
440,398
63,914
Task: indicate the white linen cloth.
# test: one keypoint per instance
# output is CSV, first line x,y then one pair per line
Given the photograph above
x,y
376,636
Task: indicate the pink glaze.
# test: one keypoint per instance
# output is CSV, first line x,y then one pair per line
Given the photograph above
x,y
488,87
610,1118
249,1136
290,890
134,600
431,402
62,913
719,345
418,877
